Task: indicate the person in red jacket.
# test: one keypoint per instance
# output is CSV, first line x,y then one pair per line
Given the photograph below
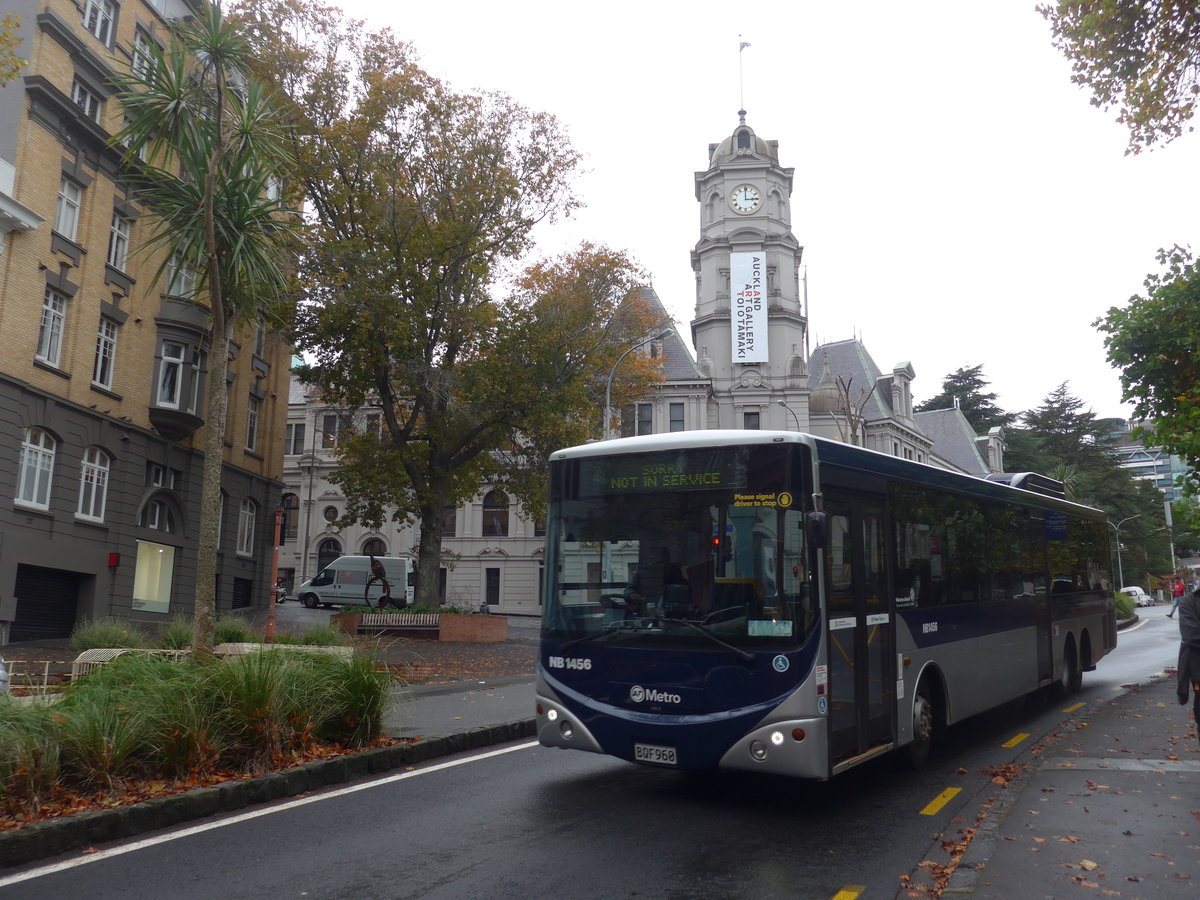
x,y
1177,590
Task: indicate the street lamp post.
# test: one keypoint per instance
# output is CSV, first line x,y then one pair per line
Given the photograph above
x,y
1117,529
795,417
608,386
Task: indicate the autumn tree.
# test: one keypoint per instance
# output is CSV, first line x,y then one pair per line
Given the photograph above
x,y
204,149
1141,56
966,386
10,62
423,202
1153,340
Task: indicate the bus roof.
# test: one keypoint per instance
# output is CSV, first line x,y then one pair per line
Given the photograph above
x,y
826,450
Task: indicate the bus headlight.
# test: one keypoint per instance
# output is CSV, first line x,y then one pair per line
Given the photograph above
x,y
758,750
777,738
552,714
566,730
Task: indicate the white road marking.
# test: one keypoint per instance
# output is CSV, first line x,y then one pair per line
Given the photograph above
x,y
247,816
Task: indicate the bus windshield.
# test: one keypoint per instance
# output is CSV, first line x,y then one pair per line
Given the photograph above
x,y
699,548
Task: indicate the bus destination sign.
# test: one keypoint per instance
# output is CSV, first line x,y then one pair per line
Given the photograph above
x,y
662,472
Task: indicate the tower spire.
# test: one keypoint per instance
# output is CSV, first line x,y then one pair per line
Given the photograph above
x,y
742,45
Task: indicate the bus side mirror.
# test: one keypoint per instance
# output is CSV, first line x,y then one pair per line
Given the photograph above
x,y
816,528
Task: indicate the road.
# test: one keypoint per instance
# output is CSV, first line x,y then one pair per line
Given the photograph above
x,y
524,821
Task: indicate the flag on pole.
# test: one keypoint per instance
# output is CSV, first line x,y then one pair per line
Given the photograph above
x,y
743,45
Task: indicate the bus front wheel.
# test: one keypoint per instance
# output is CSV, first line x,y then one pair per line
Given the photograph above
x,y
924,725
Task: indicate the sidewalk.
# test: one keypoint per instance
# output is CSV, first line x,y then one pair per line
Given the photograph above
x,y
1111,808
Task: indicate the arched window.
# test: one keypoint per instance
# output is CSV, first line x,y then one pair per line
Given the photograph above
x,y
247,517
93,485
495,514
327,553
291,516
37,466
374,547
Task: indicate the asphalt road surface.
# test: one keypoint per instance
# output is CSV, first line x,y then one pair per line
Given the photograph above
x,y
524,821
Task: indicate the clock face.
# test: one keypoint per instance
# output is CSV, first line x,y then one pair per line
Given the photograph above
x,y
745,199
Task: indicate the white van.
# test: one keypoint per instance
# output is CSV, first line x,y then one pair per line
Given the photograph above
x,y
344,582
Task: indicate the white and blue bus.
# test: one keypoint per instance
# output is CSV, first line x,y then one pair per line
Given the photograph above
x,y
779,602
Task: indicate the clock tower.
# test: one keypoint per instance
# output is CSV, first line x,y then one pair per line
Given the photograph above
x,y
750,329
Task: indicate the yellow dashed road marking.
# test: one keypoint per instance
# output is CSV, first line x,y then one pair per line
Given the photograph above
x,y
1009,744
936,804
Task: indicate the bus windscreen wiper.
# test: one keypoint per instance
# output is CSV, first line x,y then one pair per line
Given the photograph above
x,y
695,626
610,628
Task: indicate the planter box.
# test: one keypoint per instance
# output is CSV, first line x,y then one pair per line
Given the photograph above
x,y
480,629
347,622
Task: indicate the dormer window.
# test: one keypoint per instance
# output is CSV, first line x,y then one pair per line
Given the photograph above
x,y
743,139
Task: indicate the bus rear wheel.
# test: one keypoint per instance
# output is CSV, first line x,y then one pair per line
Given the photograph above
x,y
1072,677
924,726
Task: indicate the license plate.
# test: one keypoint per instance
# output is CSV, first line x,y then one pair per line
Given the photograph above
x,y
664,756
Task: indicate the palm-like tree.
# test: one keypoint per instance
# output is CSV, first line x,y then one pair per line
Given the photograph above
x,y
204,145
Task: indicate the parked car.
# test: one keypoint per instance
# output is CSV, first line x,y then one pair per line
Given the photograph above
x,y
1140,597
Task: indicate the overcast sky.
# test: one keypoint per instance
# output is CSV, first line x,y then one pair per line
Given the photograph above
x,y
960,202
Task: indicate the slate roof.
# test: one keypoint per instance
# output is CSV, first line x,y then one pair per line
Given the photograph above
x,y
953,439
851,360
678,362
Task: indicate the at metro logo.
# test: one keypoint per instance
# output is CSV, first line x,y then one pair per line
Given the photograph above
x,y
639,694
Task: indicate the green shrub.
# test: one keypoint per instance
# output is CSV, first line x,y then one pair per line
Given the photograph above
x,y
234,630
177,635
107,632
29,755
1124,606
358,696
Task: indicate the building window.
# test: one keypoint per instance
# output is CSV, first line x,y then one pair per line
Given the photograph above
x,y
50,334
252,410
86,99
645,418
492,586
157,516
750,421
66,219
293,440
106,353
330,513
291,516
331,430
143,54
93,485
118,240
246,519
152,577
676,416
449,521
162,476
98,18
327,552
196,368
37,467
170,378
373,425
374,547
495,514
181,278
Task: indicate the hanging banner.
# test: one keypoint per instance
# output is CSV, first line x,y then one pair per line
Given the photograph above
x,y
748,307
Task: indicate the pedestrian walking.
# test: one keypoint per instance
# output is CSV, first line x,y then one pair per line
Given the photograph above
x,y
1177,592
1189,654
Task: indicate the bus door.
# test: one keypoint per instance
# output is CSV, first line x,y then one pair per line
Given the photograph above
x,y
860,628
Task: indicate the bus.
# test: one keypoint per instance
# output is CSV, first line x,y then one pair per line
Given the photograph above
x,y
779,602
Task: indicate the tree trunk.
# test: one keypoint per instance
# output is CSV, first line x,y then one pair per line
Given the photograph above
x,y
429,557
210,503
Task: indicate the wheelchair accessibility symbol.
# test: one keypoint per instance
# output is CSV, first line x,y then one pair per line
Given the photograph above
x,y
822,705
780,663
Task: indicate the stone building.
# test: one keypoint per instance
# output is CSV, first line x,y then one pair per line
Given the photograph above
x,y
752,370
102,365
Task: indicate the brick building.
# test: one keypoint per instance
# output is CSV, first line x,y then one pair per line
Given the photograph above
x,y
102,365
